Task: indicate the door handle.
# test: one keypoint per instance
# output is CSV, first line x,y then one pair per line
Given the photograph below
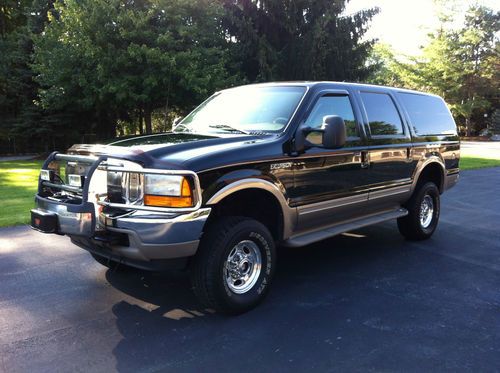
x,y
365,159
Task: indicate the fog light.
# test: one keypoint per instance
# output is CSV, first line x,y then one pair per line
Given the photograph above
x,y
45,175
75,180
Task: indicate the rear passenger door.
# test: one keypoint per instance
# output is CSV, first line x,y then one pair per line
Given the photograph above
x,y
389,152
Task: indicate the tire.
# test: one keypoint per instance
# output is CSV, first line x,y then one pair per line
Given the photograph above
x,y
225,274
415,227
111,264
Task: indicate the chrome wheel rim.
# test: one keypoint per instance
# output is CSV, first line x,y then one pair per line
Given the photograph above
x,y
426,211
242,267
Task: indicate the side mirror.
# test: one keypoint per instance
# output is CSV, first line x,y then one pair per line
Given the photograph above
x,y
334,132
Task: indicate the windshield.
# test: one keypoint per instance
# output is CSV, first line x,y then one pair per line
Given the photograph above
x,y
244,110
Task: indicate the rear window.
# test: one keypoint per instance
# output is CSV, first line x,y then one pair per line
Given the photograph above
x,y
383,117
428,114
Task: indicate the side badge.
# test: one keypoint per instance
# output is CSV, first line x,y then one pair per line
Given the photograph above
x,y
281,166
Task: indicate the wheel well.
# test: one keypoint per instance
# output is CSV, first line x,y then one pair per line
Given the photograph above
x,y
432,172
253,203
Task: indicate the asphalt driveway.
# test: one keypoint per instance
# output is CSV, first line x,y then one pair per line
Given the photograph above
x,y
358,302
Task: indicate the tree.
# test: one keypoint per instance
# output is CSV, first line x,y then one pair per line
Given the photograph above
x,y
386,67
298,40
458,62
85,70
461,65
115,59
495,122
19,116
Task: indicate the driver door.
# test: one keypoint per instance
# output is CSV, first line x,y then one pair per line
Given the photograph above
x,y
328,183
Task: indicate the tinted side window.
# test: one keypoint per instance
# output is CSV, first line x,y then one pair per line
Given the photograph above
x,y
383,117
333,105
428,114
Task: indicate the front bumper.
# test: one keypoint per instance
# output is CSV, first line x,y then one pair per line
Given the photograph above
x,y
137,236
78,220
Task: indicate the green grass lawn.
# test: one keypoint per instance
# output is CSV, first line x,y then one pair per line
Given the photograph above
x,y
471,163
18,183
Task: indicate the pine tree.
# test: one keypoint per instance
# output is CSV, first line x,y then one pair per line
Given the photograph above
x,y
21,120
299,40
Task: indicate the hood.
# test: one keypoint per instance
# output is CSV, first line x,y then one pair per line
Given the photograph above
x,y
180,150
151,142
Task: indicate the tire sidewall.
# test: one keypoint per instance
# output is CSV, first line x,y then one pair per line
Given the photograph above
x,y
431,190
259,235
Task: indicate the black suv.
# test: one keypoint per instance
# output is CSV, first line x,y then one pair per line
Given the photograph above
x,y
254,167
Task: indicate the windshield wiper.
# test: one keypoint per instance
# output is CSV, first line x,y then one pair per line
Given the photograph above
x,y
182,128
228,128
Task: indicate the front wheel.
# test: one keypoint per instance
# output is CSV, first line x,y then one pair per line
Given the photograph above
x,y
423,213
234,266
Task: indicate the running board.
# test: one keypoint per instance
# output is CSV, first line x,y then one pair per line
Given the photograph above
x,y
311,237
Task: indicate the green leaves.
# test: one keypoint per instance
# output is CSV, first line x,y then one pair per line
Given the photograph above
x,y
102,67
118,57
298,40
461,65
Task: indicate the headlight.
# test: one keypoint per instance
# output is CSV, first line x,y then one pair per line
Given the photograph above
x,y
163,185
167,191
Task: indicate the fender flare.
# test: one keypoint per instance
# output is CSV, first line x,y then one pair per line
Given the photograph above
x,y
289,213
423,165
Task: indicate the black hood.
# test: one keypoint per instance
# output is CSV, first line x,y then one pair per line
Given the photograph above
x,y
186,150
160,139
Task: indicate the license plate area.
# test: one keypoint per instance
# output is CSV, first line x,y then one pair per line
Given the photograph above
x,y
44,221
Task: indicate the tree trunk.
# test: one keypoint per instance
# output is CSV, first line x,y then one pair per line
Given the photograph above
x,y
141,128
166,105
3,21
147,119
111,126
468,130
165,122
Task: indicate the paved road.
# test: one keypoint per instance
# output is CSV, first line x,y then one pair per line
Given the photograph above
x,y
368,301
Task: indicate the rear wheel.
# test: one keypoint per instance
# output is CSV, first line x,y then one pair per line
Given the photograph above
x,y
234,266
423,213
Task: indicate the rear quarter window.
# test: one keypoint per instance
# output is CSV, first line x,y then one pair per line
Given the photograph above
x,y
383,117
428,114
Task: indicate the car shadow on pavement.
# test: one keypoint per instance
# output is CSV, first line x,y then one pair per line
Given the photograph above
x,y
163,325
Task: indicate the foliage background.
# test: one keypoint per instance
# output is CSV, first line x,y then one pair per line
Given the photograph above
x,y
461,65
74,71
